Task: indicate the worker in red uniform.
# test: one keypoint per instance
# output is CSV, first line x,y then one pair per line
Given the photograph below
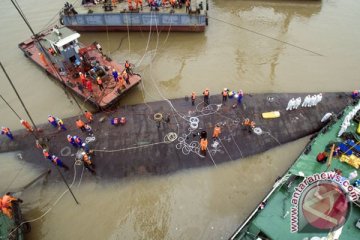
x,y
80,124
193,97
217,131
100,83
206,94
43,60
88,116
82,78
6,204
6,131
89,86
26,125
224,94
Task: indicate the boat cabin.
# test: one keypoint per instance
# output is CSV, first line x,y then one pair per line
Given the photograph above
x,y
62,48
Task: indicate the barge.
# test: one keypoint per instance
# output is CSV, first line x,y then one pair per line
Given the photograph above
x,y
158,15
79,68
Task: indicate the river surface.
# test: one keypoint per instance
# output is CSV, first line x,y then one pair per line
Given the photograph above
x,y
258,46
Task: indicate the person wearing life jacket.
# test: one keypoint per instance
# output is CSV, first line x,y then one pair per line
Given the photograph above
x,y
89,86
88,129
114,2
82,78
203,145
58,162
115,75
80,124
206,94
187,4
121,82
61,124
355,94
52,121
115,121
71,141
26,125
52,51
43,60
193,97
46,154
6,204
126,77
217,131
224,94
88,116
100,83
130,5
128,68
6,131
87,163
78,141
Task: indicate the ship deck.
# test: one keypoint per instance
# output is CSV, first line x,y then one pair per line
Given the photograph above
x,y
100,99
280,201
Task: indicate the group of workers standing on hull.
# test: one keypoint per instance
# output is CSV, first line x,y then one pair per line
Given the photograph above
x,y
6,204
225,94
155,4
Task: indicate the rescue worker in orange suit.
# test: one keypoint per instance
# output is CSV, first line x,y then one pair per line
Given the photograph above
x,y
224,95
217,131
43,60
88,116
121,82
203,145
100,83
87,163
206,94
126,77
52,121
128,68
27,125
193,97
249,125
89,86
81,125
78,141
6,131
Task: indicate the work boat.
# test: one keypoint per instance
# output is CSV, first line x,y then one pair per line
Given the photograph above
x,y
62,56
318,197
12,228
113,15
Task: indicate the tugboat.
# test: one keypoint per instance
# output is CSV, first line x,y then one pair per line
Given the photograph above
x,y
155,15
84,70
